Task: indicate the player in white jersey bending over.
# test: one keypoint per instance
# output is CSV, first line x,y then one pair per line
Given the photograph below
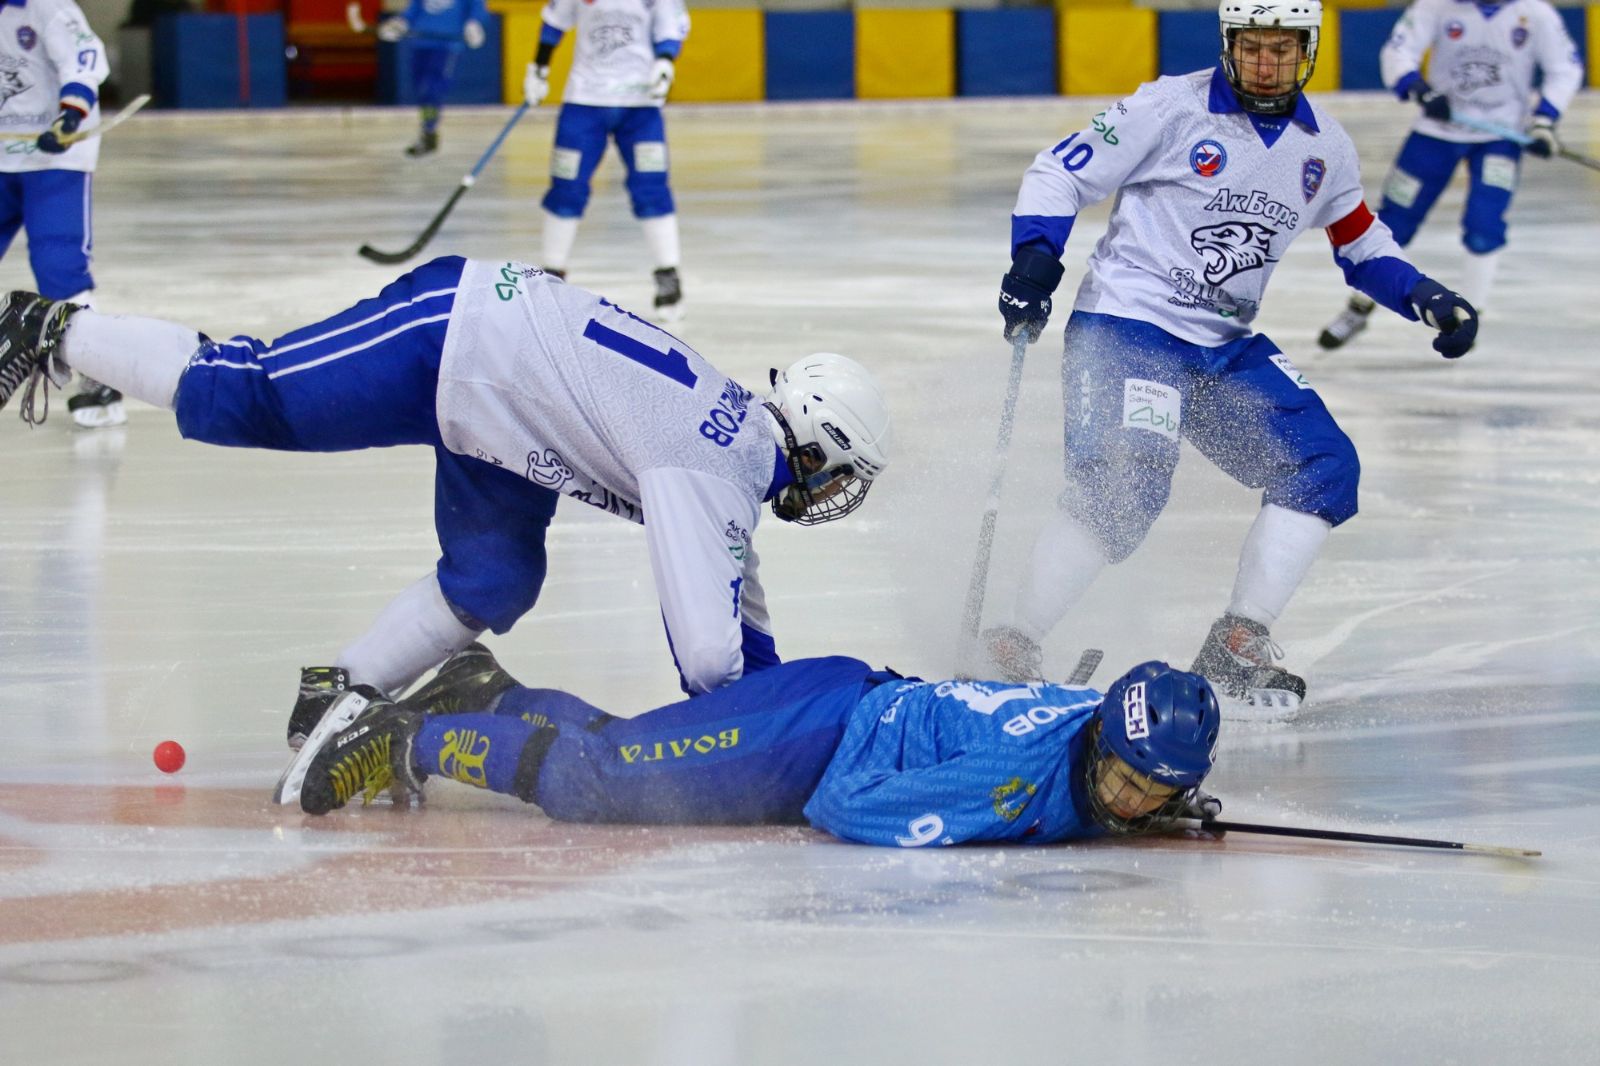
x,y
52,64
528,390
1215,173
1485,58
622,69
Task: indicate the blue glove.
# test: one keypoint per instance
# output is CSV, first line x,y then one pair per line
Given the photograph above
x,y
66,123
1025,292
1544,143
1454,318
1435,104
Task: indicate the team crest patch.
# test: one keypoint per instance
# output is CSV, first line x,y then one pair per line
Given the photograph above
x,y
27,38
1312,171
1454,30
1519,36
1208,158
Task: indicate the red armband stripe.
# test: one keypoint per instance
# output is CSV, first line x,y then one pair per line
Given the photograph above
x,y
1351,226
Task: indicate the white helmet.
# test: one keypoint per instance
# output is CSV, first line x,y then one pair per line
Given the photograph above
x,y
831,421
1302,15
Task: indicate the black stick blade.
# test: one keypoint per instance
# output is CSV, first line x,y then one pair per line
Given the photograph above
x,y
367,251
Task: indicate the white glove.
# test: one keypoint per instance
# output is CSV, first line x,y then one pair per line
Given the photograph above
x,y
660,79
473,33
536,84
1545,143
394,29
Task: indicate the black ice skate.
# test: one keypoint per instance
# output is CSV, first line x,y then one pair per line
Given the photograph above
x,y
1350,321
31,329
338,712
469,681
669,295
1237,658
427,143
1014,656
320,686
96,406
370,757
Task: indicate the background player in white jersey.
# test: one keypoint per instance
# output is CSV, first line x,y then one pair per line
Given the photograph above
x,y
621,73
1485,58
528,390
437,29
1215,173
51,67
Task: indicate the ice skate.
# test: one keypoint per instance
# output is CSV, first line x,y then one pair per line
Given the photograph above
x,y
371,756
1349,322
320,686
469,681
1237,658
427,143
669,295
95,405
1013,656
31,328
337,716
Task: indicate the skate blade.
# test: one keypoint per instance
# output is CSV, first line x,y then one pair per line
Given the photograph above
x,y
336,719
110,414
1261,705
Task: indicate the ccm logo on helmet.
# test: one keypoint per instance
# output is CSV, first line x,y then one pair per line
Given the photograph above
x,y
838,435
1134,717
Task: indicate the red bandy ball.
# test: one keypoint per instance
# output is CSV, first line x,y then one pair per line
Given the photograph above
x,y
169,756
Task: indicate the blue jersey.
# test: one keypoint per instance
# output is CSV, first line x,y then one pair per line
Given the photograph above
x,y
444,20
953,761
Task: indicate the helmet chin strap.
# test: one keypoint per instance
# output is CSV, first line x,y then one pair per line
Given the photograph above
x,y
784,503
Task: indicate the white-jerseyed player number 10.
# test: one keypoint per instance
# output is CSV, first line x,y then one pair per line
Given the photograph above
x,y
670,363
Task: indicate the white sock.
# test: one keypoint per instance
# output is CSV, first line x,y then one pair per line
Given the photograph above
x,y
414,633
1477,278
661,234
1066,560
143,357
1279,549
559,236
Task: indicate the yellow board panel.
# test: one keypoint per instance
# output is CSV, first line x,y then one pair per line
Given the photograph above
x,y
902,53
519,36
1593,21
1329,59
724,57
1106,51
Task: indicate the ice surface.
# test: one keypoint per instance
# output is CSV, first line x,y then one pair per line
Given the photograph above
x,y
154,588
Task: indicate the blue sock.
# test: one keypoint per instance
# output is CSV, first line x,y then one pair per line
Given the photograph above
x,y
481,750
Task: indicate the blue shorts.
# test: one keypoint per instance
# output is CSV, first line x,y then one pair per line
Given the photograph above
x,y
54,206
367,378
581,135
1423,169
1133,390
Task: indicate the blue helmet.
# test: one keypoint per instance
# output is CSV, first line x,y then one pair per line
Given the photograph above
x,y
1162,723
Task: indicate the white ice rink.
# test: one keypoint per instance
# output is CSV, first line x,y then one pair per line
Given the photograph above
x,y
152,588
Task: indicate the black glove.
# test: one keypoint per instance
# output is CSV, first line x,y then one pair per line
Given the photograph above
x,y
1435,104
1544,143
1025,292
66,123
1449,313
1201,805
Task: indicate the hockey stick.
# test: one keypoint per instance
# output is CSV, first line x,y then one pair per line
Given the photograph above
x,y
367,251
972,614
1088,663
1213,826
1506,133
82,135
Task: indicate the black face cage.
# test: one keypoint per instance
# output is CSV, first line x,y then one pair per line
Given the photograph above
x,y
802,502
1157,820
1266,105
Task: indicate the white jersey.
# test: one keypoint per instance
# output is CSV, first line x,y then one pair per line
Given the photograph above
x,y
44,46
584,398
1484,62
1204,209
615,47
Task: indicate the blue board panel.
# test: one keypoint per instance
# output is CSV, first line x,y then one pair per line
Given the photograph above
x,y
810,55
195,61
1006,52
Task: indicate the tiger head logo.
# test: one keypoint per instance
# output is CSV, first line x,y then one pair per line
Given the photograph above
x,y
610,37
11,83
1231,248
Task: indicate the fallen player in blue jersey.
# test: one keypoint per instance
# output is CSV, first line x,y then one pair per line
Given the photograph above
x,y
864,754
